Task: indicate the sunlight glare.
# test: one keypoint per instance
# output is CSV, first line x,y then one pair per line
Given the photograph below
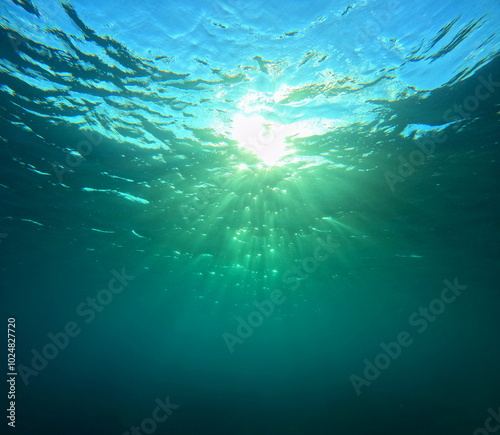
x,y
266,139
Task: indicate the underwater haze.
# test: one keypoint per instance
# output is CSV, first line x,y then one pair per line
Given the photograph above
x,y
250,217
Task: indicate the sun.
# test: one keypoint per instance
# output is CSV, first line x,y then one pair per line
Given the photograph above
x,y
265,139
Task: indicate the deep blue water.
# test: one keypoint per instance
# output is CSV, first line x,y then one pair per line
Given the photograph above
x,y
251,217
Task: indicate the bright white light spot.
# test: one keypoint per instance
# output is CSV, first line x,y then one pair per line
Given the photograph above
x,y
266,139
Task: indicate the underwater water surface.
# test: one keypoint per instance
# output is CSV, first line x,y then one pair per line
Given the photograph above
x,y
250,217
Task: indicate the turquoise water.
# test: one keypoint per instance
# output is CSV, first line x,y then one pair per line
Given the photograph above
x,y
251,217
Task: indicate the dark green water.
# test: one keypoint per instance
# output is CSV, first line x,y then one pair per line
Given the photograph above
x,y
328,264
